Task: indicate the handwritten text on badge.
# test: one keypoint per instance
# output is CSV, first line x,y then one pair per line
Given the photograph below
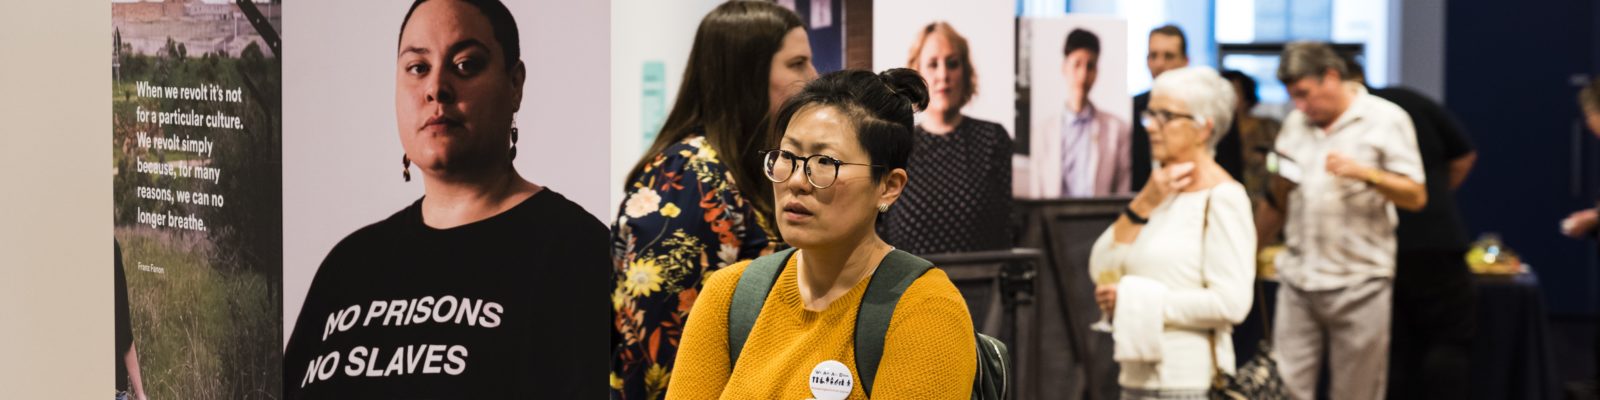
x,y
831,380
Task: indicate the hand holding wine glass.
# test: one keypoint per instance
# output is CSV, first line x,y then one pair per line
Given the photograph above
x,y
1105,295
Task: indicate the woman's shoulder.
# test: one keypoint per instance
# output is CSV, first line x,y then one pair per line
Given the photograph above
x,y
934,290
384,229
375,240
722,281
932,307
984,127
692,156
1229,196
979,124
984,133
553,212
693,148
1230,190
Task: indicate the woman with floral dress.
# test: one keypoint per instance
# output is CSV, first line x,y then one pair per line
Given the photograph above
x,y
697,201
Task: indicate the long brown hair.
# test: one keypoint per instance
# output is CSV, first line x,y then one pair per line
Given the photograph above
x,y
723,93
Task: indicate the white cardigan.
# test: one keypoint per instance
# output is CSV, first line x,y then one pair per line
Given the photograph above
x,y
1198,306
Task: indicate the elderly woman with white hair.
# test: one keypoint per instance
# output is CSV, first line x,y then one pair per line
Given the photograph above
x,y
1176,269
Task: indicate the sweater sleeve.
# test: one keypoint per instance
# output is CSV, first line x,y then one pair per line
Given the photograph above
x,y
1227,269
1106,254
702,368
929,351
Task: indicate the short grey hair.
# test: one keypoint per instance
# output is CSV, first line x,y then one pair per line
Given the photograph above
x,y
1304,59
1208,95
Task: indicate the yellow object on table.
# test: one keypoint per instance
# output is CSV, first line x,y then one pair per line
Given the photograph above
x,y
1267,262
1488,256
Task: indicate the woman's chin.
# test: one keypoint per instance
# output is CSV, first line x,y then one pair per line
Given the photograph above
x,y
797,237
436,162
441,152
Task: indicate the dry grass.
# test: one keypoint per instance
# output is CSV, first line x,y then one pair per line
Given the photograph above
x,y
205,329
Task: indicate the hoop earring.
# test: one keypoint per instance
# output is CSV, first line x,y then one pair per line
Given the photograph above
x,y
405,163
883,208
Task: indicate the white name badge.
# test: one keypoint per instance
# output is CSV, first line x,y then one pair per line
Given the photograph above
x,y
831,380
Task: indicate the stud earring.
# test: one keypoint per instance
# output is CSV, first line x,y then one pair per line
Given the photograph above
x,y
883,208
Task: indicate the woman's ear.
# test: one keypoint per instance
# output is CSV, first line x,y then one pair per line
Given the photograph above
x,y
519,74
892,185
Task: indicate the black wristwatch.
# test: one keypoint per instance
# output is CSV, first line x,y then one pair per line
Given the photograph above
x,y
1133,216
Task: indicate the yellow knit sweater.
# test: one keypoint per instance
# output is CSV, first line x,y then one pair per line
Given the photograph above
x,y
928,351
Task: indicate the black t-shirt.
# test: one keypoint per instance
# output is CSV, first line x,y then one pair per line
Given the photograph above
x,y
513,306
124,320
1440,140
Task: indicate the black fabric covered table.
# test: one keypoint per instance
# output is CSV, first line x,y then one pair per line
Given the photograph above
x,y
1511,354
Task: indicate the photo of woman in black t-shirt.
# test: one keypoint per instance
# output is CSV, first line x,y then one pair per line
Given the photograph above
x,y
489,286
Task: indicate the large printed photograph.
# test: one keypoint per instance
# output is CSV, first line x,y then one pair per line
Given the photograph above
x,y
197,128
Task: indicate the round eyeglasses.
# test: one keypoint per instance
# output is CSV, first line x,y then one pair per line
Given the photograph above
x,y
821,171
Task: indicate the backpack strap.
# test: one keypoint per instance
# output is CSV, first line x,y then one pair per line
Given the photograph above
x,y
748,297
894,275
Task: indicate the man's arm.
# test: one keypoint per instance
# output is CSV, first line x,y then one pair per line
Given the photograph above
x,y
1460,167
1404,192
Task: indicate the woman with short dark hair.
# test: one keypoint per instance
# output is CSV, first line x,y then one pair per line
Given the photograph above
x,y
784,325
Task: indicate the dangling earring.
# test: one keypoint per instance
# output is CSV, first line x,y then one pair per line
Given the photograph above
x,y
883,208
405,171
513,136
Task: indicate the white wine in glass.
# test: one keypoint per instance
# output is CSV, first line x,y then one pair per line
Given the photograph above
x,y
1106,277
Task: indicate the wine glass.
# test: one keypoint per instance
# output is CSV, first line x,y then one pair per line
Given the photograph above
x,y
1105,277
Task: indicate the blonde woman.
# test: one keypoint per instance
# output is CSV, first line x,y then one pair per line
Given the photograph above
x,y
961,199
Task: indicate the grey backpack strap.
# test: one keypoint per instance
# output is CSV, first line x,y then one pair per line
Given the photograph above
x,y
894,275
748,297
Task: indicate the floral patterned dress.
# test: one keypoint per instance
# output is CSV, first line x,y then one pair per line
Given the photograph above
x,y
681,220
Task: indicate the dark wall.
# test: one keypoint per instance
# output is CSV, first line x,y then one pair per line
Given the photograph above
x,y
1510,72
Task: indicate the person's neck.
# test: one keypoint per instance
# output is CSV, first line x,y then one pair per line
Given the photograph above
x,y
942,122
1076,103
827,273
1205,166
1348,99
452,200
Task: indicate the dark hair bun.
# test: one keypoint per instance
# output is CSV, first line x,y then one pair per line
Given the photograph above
x,y
907,83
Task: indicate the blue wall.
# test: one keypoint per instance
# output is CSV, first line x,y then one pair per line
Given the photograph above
x,y
1508,76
